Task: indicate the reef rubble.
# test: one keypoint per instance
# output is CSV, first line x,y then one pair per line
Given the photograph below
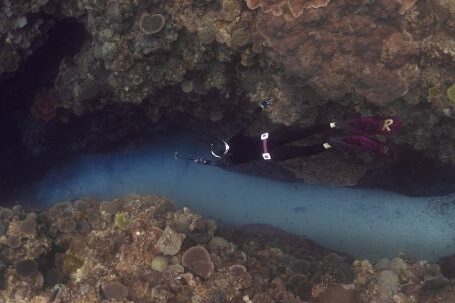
x,y
143,249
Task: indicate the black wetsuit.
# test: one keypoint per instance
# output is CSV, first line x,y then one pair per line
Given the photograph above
x,y
245,149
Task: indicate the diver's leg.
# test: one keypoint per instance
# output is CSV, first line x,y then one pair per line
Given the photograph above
x,y
360,143
286,135
372,125
285,152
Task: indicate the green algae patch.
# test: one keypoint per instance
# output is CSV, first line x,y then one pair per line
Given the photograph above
x,y
71,263
451,93
121,220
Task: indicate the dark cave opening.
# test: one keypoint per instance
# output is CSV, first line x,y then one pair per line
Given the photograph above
x,y
414,175
17,91
30,146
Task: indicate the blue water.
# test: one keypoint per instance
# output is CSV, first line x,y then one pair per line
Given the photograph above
x,y
363,223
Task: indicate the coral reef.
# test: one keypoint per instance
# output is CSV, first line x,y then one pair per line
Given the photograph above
x,y
237,264
320,59
289,9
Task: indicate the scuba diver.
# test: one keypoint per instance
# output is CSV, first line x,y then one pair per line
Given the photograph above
x,y
273,145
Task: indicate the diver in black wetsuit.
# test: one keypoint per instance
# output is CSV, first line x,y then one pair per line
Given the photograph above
x,y
273,146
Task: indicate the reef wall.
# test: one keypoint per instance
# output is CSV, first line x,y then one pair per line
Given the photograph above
x,y
143,249
211,61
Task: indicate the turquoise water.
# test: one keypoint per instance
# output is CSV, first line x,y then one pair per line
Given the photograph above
x,y
363,223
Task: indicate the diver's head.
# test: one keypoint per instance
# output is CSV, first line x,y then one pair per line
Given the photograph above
x,y
219,148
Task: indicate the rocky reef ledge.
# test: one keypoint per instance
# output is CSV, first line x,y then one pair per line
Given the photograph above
x,y
210,63
143,249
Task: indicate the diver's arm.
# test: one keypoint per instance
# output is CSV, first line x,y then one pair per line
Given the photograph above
x,y
219,163
263,105
202,161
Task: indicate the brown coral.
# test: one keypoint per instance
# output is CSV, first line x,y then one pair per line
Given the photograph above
x,y
197,259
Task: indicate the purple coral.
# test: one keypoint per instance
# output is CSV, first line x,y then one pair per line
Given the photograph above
x,y
197,259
